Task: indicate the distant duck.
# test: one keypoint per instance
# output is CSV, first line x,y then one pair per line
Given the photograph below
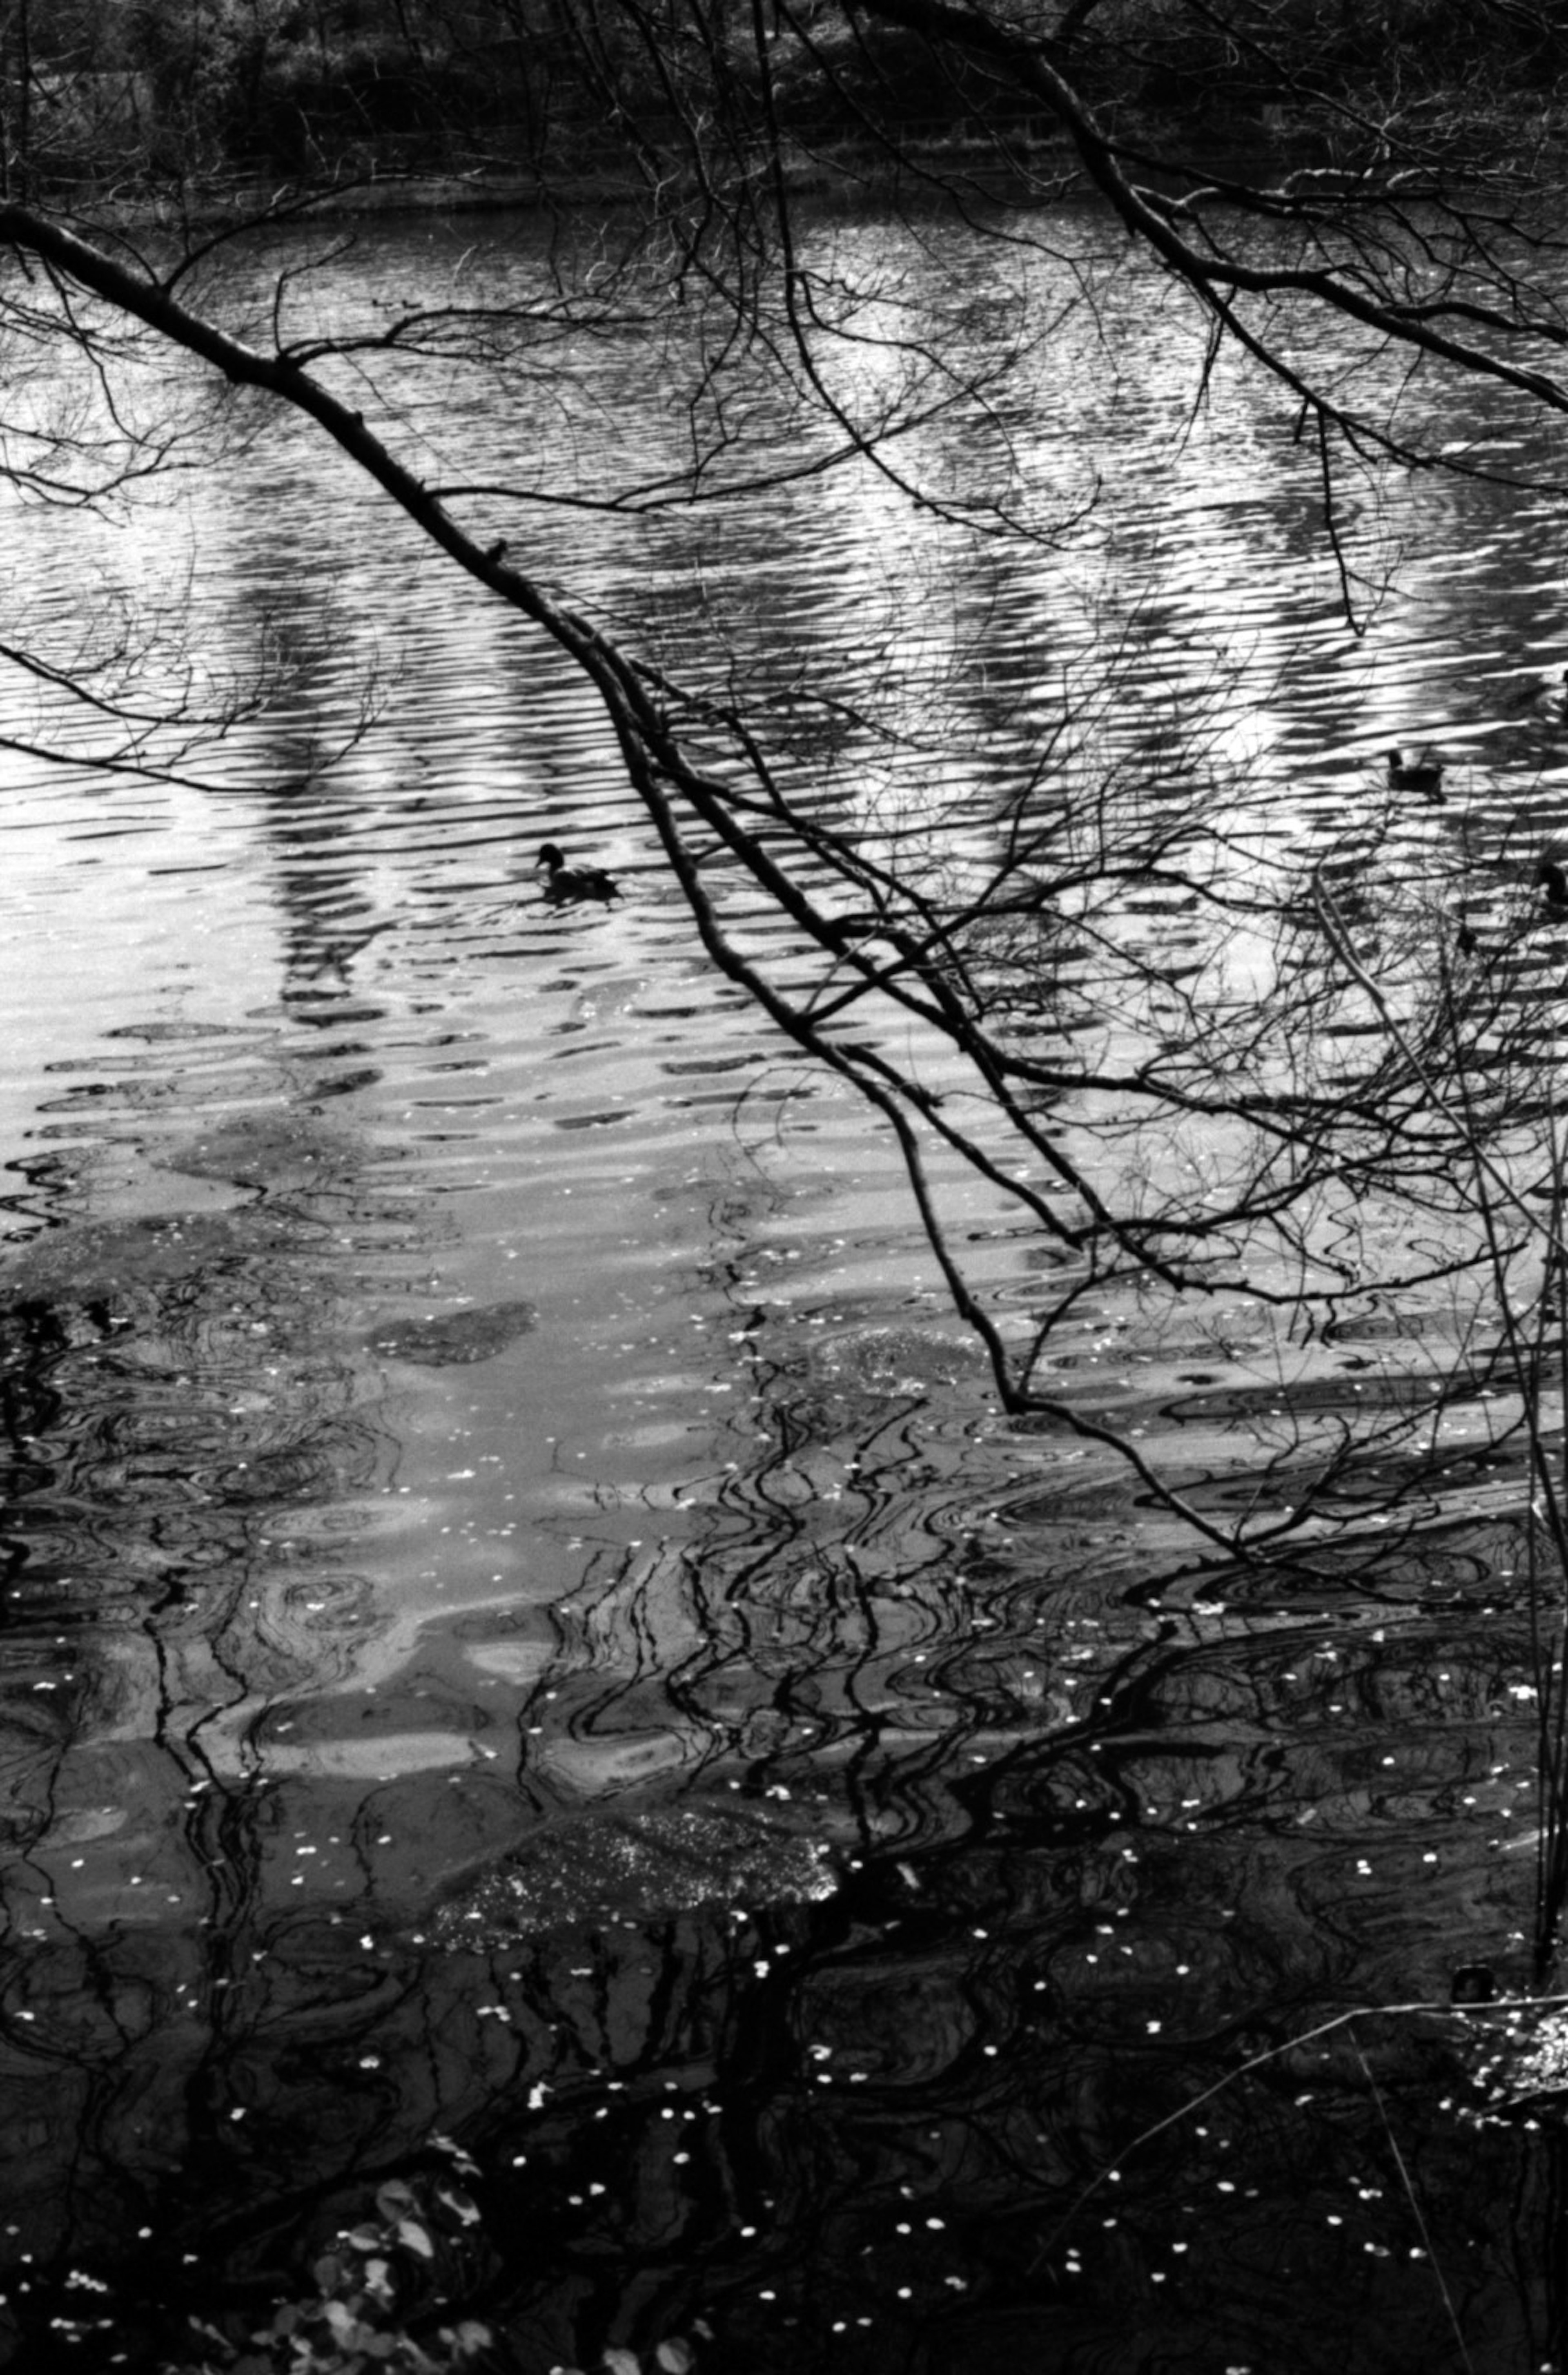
x,y
1553,705
1417,769
566,884
1553,882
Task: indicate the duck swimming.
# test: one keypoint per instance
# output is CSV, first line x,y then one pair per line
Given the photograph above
x,y
1416,770
1553,705
566,884
1553,882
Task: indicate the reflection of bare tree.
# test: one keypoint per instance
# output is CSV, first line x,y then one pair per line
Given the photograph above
x,y
1122,1868
1040,2076
181,1415
962,938
1141,1842
787,1637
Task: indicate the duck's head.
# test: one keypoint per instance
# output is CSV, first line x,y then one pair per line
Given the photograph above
x,y
552,856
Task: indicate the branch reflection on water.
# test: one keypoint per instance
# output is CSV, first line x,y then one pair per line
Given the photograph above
x,y
820,1932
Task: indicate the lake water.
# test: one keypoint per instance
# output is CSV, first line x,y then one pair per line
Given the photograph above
x,y
525,1628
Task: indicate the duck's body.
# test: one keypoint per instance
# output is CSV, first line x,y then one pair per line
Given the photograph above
x,y
569,884
1553,882
1419,769
1553,705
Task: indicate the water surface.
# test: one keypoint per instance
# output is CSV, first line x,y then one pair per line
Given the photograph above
x,y
524,1622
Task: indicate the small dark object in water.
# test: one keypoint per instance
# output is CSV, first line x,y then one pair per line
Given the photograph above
x,y
566,883
1419,770
1552,703
1472,1983
1552,880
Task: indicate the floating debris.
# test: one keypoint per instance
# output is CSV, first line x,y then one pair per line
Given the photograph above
x,y
636,1867
1521,2061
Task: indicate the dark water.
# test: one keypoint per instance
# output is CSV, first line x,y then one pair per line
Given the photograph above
x,y
525,1630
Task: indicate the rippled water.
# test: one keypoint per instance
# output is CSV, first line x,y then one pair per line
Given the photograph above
x,y
522,1622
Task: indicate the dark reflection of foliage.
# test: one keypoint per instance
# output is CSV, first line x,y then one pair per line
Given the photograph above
x,y
1067,1793
919,2104
901,2105
1017,1994
172,1392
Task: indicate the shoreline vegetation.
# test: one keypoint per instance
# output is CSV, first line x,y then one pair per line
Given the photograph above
x,y
933,173
260,107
